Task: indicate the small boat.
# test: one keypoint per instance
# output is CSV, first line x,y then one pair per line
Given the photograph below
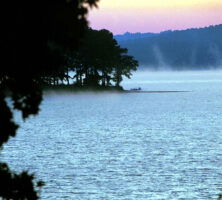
x,y
135,89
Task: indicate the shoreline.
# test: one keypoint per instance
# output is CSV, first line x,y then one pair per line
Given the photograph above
x,y
71,88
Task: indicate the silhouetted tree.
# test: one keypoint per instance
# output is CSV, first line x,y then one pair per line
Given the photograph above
x,y
100,60
34,37
124,67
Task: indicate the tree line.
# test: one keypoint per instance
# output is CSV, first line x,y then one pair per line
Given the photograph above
x,y
99,62
187,49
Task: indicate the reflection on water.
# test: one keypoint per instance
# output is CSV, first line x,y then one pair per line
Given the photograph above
x,y
128,146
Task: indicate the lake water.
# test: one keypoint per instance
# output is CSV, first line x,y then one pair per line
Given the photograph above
x,y
132,146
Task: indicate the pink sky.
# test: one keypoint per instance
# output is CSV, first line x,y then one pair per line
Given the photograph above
x,y
120,16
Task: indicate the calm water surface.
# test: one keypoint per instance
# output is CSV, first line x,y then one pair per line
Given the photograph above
x,y
111,146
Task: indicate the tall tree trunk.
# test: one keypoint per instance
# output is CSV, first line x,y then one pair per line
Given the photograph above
x,y
54,80
77,76
103,79
107,80
117,80
80,79
67,76
86,77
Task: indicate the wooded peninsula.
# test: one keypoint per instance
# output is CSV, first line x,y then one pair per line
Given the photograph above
x,y
99,63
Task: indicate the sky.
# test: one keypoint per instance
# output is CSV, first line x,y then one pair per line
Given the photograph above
x,y
120,16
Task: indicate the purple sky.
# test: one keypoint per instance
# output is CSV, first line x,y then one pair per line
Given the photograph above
x,y
120,16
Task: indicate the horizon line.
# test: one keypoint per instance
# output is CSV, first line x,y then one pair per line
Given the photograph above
x,y
200,27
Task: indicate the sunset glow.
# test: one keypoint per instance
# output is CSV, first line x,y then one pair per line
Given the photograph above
x,y
158,3
120,16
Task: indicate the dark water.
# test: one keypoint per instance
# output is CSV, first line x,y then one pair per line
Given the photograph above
x,y
128,146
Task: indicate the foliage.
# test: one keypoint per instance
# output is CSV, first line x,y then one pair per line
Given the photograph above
x,y
33,35
98,61
18,186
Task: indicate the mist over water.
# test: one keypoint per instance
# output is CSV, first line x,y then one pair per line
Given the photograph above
x,y
170,80
136,146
